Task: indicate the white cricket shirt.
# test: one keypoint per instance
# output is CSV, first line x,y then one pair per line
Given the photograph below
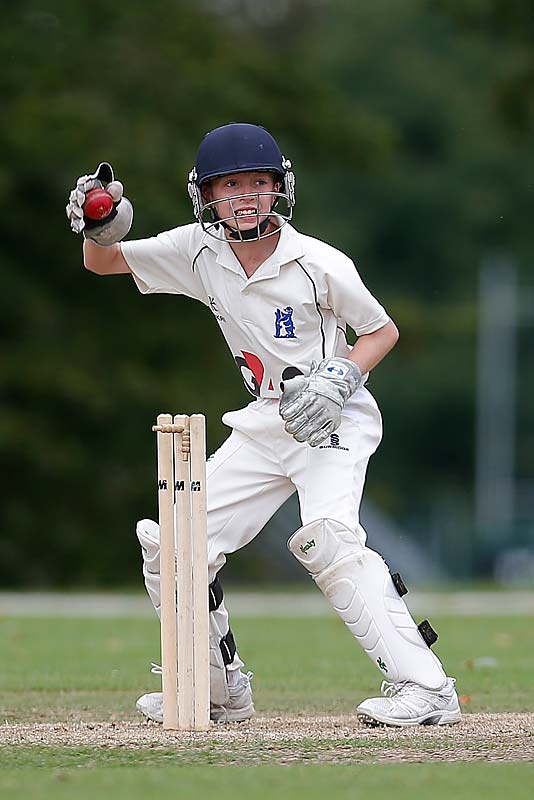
x,y
293,310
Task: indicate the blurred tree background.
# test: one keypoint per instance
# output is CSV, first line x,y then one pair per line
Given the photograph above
x,y
410,130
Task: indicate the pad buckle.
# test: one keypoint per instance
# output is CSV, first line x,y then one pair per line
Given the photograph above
x,y
427,632
399,584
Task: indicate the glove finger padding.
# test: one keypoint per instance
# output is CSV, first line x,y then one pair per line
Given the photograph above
x,y
313,427
318,437
310,409
306,403
291,389
116,190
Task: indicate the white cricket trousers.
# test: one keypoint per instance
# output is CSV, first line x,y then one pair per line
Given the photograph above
x,y
260,465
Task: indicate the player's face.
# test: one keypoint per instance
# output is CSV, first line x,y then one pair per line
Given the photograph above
x,y
240,200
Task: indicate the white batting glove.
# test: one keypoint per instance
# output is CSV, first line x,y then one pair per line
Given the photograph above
x,y
109,230
311,406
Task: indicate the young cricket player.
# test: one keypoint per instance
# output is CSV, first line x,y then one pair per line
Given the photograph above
x,y
283,302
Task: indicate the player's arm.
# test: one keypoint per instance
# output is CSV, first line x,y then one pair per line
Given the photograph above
x,y
104,221
104,260
312,405
371,348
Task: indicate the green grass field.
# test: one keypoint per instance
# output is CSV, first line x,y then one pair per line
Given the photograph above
x,y
89,672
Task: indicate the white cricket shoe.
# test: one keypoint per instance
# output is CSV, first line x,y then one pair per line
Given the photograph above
x,y
408,703
239,707
151,706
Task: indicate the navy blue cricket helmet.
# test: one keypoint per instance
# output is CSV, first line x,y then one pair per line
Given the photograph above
x,y
238,147
230,149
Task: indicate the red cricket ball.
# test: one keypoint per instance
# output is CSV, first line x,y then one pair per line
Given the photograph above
x,y
98,204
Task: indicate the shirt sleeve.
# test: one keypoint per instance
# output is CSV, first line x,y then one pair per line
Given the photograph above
x,y
350,299
164,263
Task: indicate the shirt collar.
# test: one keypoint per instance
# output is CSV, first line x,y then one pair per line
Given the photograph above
x,y
288,249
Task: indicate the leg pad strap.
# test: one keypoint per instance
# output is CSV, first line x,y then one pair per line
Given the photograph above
x,y
228,648
215,594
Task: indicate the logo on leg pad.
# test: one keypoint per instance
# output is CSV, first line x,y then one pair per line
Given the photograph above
x,y
305,547
381,664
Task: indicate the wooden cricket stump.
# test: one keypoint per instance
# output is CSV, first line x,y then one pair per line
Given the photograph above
x,y
181,444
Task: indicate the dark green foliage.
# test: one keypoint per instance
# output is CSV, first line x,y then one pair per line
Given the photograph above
x,y
503,22
388,112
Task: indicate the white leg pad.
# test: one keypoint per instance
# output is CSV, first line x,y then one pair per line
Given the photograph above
x,y
358,584
148,534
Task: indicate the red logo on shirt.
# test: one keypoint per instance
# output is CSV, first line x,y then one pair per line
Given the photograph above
x,y
252,371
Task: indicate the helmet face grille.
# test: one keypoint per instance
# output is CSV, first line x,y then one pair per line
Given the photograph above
x,y
227,227
231,149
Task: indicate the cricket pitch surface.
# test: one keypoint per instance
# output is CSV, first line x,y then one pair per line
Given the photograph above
x,y
287,739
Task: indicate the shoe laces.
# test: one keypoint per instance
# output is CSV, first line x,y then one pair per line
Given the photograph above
x,y
400,689
406,688
244,680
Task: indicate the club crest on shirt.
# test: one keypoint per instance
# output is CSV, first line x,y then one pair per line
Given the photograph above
x,y
284,327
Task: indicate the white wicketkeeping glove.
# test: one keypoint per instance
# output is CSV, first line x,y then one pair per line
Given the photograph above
x,y
114,227
311,406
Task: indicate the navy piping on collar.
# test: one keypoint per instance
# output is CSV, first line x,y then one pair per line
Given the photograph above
x,y
316,304
197,255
